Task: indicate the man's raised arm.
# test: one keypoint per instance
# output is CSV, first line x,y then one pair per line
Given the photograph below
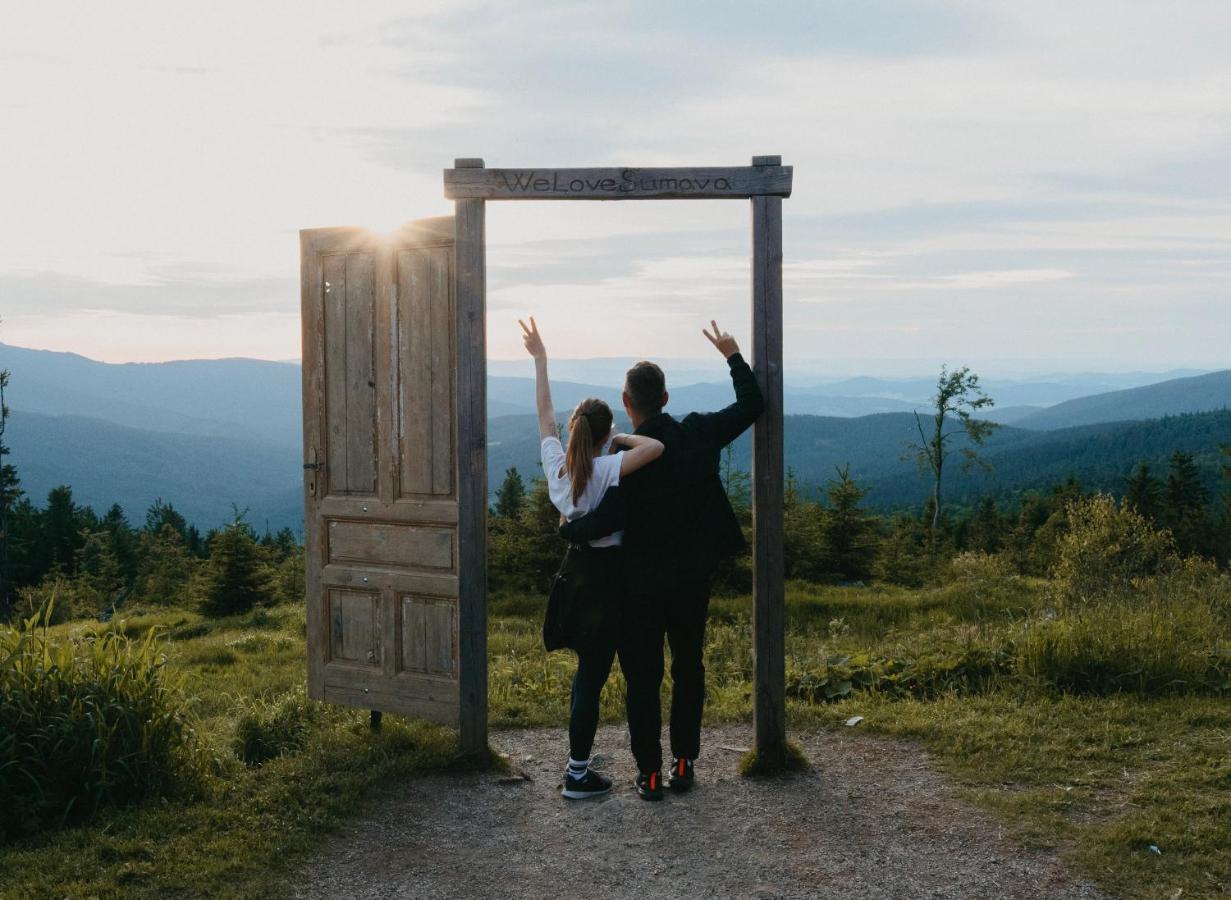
x,y
727,424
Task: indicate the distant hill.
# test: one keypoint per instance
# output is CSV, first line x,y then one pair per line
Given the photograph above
x,y
1201,393
1008,415
202,476
233,398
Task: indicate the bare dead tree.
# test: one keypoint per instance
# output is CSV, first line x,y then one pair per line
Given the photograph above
x,y
958,397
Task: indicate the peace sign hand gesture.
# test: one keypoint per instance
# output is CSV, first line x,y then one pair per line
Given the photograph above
x,y
532,339
724,342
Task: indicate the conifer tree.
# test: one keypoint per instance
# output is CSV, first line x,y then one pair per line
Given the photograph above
x,y
1144,493
1186,506
62,530
985,529
100,579
849,540
166,567
510,496
160,514
235,578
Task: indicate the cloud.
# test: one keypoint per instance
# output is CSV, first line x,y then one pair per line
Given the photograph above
x,y
966,173
193,290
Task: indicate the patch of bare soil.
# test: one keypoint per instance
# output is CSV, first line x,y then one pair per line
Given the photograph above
x,y
871,819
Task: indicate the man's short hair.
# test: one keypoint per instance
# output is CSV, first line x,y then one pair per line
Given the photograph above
x,y
645,385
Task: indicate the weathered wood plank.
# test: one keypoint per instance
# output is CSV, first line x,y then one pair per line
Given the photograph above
x,y
412,547
701,183
385,291
333,365
440,645
361,409
368,577
430,511
408,694
415,340
312,352
769,674
471,447
440,281
414,634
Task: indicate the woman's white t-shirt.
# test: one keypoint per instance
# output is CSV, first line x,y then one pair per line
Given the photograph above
x,y
606,473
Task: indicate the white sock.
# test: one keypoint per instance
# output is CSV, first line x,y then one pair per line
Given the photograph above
x,y
577,767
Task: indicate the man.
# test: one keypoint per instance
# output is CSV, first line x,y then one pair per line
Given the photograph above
x,y
678,524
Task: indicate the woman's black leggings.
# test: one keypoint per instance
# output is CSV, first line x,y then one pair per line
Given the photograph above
x,y
593,667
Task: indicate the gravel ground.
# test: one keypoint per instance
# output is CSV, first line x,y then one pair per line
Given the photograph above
x,y
872,819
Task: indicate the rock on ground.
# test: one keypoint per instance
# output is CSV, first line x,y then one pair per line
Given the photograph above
x,y
871,819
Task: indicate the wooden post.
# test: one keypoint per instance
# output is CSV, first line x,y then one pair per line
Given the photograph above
x,y
769,647
472,468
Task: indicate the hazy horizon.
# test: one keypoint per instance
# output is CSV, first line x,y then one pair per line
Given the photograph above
x,y
795,371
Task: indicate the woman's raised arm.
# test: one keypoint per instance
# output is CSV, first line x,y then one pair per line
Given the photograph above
x,y
542,387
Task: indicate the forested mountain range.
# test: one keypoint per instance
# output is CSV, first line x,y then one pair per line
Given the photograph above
x,y
1100,456
205,434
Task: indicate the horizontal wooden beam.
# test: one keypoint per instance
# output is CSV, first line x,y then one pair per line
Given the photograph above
x,y
711,183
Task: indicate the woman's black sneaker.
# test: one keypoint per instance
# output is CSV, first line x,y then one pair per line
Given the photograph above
x,y
681,775
588,785
649,786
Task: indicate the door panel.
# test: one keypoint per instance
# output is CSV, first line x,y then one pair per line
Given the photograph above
x,y
350,371
426,338
380,475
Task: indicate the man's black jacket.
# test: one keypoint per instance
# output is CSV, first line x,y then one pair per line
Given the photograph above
x,y
677,520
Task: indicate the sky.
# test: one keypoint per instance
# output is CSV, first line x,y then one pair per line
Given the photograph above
x,y
1025,187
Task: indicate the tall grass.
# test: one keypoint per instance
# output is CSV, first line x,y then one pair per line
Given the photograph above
x,y
267,728
1166,634
87,721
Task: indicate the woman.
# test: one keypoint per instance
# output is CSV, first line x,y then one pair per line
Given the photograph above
x,y
577,478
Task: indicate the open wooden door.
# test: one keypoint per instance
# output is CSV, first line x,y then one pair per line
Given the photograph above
x,y
380,473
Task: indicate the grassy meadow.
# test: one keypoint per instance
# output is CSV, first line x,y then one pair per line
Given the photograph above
x,y
1096,742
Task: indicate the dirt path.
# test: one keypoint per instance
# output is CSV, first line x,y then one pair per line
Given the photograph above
x,y
872,819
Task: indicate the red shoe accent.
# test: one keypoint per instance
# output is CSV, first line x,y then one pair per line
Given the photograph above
x,y
683,766
653,781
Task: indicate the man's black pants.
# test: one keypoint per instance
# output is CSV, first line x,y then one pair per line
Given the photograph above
x,y
678,614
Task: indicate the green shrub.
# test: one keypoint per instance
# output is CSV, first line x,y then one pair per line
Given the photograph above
x,y
1131,617
983,585
1106,549
85,722
59,597
269,728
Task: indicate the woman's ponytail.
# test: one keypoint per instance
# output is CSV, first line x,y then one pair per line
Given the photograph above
x,y
587,429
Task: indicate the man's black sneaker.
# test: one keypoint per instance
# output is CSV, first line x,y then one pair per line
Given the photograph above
x,y
588,785
681,775
649,786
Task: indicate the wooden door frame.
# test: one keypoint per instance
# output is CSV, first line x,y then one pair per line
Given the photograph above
x,y
470,185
